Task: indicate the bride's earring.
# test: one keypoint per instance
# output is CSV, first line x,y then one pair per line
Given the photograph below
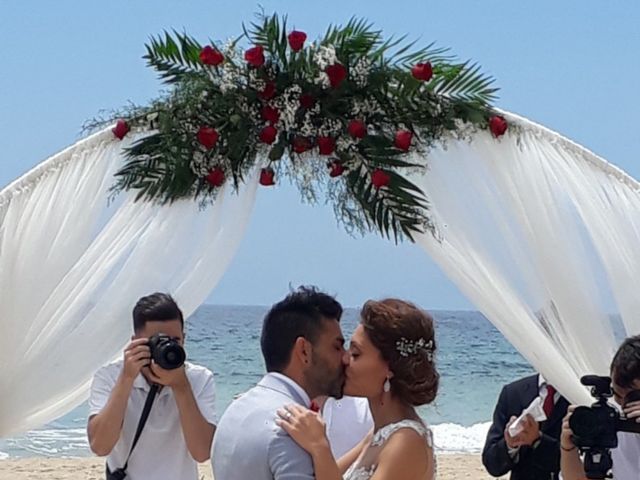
x,y
386,387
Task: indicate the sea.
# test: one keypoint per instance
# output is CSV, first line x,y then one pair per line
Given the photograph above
x,y
473,358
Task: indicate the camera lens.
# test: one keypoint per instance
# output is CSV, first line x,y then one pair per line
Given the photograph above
x,y
166,352
585,426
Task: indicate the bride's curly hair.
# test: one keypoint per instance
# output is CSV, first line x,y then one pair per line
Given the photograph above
x,y
388,323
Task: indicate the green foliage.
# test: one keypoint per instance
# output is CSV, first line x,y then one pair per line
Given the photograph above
x,y
380,90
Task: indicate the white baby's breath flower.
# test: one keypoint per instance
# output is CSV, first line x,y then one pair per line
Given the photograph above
x,y
325,56
360,72
346,144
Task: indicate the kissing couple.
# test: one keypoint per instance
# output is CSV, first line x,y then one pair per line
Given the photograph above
x,y
270,432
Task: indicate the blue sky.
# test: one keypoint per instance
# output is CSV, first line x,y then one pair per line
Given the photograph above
x,y
572,66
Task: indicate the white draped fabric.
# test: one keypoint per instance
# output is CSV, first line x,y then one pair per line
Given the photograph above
x,y
542,236
72,264
536,231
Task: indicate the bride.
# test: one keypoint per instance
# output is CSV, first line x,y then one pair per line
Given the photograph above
x,y
391,364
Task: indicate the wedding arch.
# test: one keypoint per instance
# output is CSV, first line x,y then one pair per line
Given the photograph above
x,y
525,222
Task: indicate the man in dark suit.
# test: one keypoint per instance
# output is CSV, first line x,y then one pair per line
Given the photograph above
x,y
534,453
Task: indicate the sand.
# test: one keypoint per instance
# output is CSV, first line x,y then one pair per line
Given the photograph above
x,y
450,467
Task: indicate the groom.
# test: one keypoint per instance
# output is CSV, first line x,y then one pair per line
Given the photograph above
x,y
303,349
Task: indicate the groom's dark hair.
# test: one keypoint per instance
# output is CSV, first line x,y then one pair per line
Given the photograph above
x,y
300,314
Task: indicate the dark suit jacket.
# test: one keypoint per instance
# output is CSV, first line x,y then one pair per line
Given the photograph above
x,y
539,463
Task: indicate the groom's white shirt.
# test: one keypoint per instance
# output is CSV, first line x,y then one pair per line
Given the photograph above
x,y
249,445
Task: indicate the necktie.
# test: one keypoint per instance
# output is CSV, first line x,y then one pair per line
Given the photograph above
x,y
314,407
548,401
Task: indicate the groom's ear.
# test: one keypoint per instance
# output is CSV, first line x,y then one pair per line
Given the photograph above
x,y
302,350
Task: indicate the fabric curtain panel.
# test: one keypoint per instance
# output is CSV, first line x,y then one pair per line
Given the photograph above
x,y
73,261
541,235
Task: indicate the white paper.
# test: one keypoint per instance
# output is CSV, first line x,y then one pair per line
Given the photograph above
x,y
535,409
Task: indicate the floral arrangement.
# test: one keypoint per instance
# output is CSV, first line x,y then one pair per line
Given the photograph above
x,y
345,116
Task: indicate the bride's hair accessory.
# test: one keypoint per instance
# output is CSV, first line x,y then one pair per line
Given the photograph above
x,y
413,347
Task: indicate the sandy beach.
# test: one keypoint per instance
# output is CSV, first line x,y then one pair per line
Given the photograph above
x,y
450,467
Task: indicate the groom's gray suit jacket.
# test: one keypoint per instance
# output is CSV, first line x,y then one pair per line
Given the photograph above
x,y
248,445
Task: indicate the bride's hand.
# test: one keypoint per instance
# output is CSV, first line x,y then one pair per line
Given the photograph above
x,y
306,427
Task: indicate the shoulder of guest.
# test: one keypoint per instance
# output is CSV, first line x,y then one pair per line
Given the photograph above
x,y
523,382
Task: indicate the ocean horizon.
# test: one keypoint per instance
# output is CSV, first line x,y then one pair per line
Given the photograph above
x,y
473,359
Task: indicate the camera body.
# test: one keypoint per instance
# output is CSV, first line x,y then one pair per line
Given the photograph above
x,y
595,428
166,352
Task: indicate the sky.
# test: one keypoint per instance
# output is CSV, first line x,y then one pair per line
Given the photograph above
x,y
570,65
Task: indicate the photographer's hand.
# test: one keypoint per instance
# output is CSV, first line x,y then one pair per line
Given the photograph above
x,y
566,441
175,378
632,411
136,356
570,464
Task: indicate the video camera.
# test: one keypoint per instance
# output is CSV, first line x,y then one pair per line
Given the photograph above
x,y
595,428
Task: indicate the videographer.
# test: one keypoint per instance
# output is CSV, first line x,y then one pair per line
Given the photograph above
x,y
180,425
625,375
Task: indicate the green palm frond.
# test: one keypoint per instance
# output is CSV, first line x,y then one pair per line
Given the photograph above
x,y
464,82
173,58
396,211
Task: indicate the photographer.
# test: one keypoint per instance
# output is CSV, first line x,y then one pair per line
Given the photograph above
x,y
181,422
625,375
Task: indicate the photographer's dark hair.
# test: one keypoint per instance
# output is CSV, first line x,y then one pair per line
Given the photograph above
x,y
415,378
625,366
300,314
157,307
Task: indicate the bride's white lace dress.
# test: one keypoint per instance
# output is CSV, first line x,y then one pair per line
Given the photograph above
x,y
365,466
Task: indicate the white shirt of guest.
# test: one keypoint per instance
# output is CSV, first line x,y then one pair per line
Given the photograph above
x,y
348,421
161,452
542,390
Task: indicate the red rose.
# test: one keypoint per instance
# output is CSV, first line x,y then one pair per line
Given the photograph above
x,y
357,129
380,178
326,145
422,71
403,140
301,144
497,125
266,177
268,92
211,56
307,101
336,73
270,114
121,129
337,169
208,137
268,134
255,56
215,177
296,40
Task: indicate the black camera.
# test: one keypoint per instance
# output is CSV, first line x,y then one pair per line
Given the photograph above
x,y
166,352
595,428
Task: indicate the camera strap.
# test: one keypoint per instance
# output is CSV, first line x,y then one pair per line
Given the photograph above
x,y
143,419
